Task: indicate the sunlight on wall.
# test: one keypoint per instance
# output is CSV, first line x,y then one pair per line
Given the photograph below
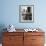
x,y
44,44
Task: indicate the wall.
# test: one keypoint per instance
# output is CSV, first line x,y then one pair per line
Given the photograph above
x,y
9,13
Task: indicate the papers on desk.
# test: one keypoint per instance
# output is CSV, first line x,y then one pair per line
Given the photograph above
x,y
11,28
26,30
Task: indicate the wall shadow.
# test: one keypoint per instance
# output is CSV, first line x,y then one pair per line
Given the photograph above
x,y
2,27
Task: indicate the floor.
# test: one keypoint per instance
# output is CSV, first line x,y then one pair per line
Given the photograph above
x,y
0,44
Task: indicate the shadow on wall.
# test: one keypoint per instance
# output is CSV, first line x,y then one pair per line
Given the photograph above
x,y
2,26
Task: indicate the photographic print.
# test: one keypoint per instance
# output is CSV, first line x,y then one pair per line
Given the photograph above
x,y
26,13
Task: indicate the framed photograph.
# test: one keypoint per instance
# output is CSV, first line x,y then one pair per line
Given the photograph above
x,y
26,13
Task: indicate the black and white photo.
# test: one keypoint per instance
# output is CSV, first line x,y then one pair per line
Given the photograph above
x,y
26,13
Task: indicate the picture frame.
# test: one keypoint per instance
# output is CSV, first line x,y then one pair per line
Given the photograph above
x,y
26,13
